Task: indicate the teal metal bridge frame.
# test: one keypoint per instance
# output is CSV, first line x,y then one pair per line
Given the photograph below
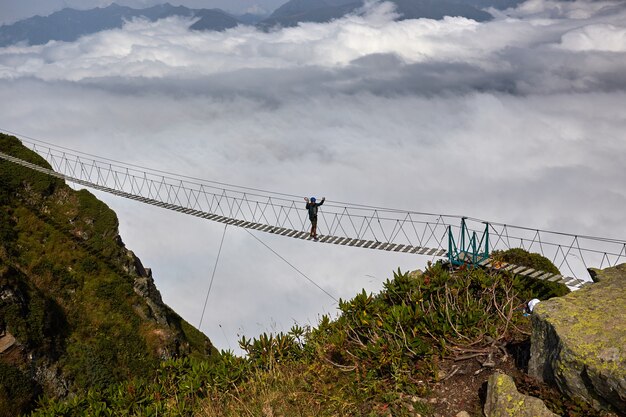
x,y
470,250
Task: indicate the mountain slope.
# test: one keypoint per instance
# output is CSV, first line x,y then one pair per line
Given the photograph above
x,y
295,11
69,24
82,309
423,346
213,20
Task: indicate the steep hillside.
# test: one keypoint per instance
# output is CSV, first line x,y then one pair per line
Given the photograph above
x,y
77,309
424,346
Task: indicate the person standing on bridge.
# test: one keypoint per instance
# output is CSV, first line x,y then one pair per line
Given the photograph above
x,y
311,206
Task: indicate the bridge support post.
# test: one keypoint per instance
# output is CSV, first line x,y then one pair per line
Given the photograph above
x,y
471,250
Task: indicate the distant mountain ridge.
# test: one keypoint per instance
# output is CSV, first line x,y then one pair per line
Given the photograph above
x,y
70,24
296,11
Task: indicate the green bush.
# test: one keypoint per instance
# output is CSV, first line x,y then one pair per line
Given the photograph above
x,y
111,356
14,177
100,221
368,361
531,287
17,391
176,389
522,257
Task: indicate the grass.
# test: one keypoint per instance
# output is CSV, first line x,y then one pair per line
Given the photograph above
x,y
73,307
377,358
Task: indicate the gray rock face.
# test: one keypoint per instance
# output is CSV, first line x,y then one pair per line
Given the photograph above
x,y
503,400
144,287
598,275
579,342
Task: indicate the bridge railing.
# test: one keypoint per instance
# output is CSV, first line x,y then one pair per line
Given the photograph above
x,y
249,204
354,223
572,254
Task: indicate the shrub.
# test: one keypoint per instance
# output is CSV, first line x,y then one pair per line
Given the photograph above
x,y
14,177
368,361
8,235
531,287
175,390
17,391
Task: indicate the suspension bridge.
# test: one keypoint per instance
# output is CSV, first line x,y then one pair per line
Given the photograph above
x,y
459,239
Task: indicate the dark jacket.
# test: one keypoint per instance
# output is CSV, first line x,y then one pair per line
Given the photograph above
x,y
312,208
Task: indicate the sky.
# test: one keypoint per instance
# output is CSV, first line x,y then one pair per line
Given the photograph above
x,y
13,10
520,120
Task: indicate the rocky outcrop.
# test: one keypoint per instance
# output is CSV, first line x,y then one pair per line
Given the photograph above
x,y
144,287
503,400
598,275
579,341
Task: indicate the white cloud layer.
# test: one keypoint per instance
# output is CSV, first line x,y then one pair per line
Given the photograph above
x,y
600,37
519,120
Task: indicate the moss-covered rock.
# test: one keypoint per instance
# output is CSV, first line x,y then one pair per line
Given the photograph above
x,y
579,342
503,400
598,275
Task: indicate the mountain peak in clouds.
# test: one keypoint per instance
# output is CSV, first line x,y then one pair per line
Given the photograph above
x,y
214,19
296,11
70,24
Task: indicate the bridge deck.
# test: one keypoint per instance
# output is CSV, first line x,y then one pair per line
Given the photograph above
x,y
77,168
283,231
287,232
533,273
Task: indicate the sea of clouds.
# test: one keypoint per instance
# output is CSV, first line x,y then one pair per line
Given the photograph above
x,y
519,120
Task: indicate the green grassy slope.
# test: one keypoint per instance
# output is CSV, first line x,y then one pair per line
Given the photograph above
x,y
67,293
381,356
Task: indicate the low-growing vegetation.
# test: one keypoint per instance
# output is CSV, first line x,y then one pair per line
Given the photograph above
x,y
68,294
379,357
526,286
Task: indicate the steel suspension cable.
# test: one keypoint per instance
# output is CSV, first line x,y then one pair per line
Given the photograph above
x,y
291,265
212,277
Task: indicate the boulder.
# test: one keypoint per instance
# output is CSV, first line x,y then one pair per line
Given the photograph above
x,y
578,341
598,275
503,400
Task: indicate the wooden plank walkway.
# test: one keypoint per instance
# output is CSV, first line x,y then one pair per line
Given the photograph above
x,y
282,231
533,273
304,235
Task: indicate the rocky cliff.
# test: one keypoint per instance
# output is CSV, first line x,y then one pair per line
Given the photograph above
x,y
579,341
